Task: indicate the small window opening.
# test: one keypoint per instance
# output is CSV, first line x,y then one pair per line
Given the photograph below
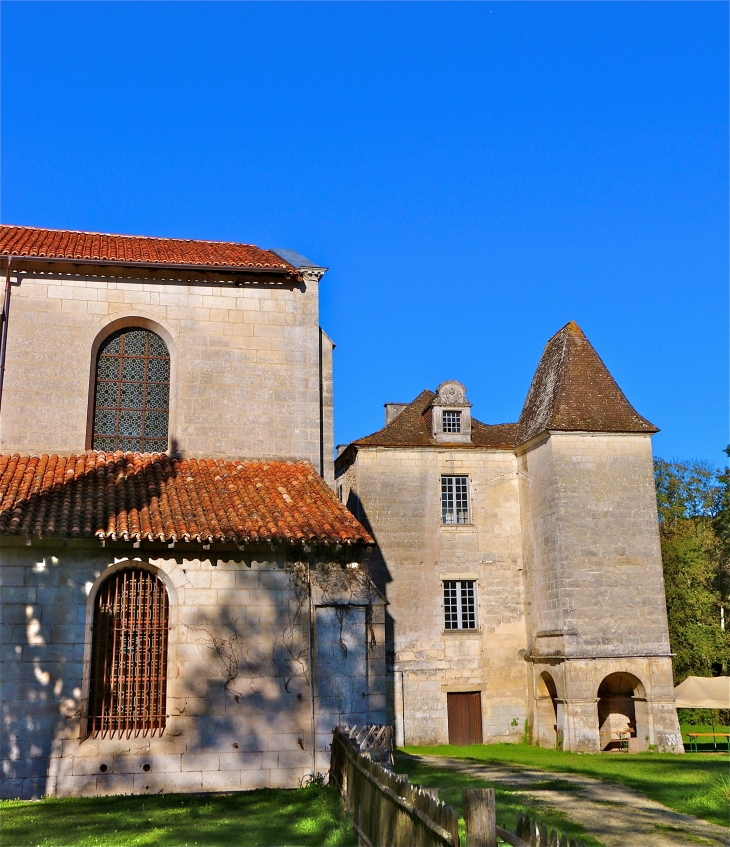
x,y
451,421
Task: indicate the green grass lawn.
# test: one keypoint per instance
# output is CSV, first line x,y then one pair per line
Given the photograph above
x,y
696,784
509,804
308,816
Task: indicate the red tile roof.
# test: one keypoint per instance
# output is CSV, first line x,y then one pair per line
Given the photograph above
x,y
23,241
572,390
135,496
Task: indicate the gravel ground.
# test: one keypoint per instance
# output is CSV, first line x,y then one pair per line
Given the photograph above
x,y
616,815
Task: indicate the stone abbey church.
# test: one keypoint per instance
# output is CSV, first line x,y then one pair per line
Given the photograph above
x,y
194,593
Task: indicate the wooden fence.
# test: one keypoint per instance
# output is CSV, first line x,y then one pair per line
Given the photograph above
x,y
387,811
528,833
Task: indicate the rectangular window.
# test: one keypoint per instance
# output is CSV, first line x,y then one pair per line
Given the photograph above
x,y
454,499
451,421
460,608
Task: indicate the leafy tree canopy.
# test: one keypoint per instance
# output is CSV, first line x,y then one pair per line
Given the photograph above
x,y
693,504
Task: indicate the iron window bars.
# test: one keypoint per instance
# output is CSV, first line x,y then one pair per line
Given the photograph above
x,y
451,421
127,690
460,604
132,394
454,499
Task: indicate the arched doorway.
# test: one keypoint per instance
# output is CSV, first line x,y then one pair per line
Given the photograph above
x,y
622,720
547,711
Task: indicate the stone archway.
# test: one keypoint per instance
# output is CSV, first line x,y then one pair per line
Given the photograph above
x,y
622,713
547,711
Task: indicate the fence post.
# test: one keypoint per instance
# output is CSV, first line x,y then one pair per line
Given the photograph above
x,y
480,816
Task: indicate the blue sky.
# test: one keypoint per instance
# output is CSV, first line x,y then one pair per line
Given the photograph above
x,y
475,175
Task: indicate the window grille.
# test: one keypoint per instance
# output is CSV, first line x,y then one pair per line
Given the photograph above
x,y
460,610
454,499
132,394
451,421
128,684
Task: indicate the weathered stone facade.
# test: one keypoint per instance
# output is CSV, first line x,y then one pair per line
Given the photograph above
x,y
561,545
251,352
238,696
275,634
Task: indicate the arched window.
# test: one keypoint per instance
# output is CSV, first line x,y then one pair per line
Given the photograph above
x,y
128,679
132,396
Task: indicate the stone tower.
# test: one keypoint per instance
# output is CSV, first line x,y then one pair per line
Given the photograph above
x,y
597,634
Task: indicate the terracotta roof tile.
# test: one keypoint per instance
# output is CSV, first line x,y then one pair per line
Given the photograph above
x,y
143,496
412,428
572,390
24,241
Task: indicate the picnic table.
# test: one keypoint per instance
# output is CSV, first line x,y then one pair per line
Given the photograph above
x,y
693,736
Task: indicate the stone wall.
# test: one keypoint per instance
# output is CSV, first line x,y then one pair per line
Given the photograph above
x,y
226,608
595,568
594,583
396,492
245,363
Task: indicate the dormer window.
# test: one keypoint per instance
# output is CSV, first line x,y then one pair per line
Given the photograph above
x,y
451,421
450,414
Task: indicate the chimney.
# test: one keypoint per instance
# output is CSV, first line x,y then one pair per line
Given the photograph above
x,y
392,410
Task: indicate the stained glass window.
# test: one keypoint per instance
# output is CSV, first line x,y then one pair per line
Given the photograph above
x,y
131,404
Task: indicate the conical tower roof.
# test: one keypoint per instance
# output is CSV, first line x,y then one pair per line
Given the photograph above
x,y
572,390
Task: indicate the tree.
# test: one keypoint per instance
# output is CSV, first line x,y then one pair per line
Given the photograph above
x,y
693,503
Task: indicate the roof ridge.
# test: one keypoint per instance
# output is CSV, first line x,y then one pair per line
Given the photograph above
x,y
146,237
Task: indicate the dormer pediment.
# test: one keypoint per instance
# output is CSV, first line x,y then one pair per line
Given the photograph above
x,y
451,414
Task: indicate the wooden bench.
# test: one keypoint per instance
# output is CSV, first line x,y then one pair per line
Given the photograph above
x,y
622,736
693,736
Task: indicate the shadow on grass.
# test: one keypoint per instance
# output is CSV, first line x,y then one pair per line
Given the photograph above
x,y
695,784
509,803
309,816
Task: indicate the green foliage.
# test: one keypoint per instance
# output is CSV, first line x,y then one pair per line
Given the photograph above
x,y
311,816
691,783
692,502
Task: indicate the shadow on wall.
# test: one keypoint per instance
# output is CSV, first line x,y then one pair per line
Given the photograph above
x,y
243,690
43,614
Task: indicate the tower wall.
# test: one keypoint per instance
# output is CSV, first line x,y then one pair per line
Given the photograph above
x,y
594,583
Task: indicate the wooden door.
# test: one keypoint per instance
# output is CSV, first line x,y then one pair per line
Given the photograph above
x,y
465,717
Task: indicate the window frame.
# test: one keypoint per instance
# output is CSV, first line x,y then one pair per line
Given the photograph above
x,y
454,416
461,517
128,723
146,442
462,606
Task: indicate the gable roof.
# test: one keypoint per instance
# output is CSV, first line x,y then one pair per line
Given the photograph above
x,y
412,429
155,497
26,241
572,390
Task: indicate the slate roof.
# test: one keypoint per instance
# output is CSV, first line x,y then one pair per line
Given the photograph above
x,y
572,390
412,428
24,241
155,497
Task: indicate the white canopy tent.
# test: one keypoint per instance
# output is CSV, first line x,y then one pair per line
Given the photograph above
x,y
703,692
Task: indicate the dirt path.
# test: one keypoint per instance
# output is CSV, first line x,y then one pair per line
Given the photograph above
x,y
614,814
